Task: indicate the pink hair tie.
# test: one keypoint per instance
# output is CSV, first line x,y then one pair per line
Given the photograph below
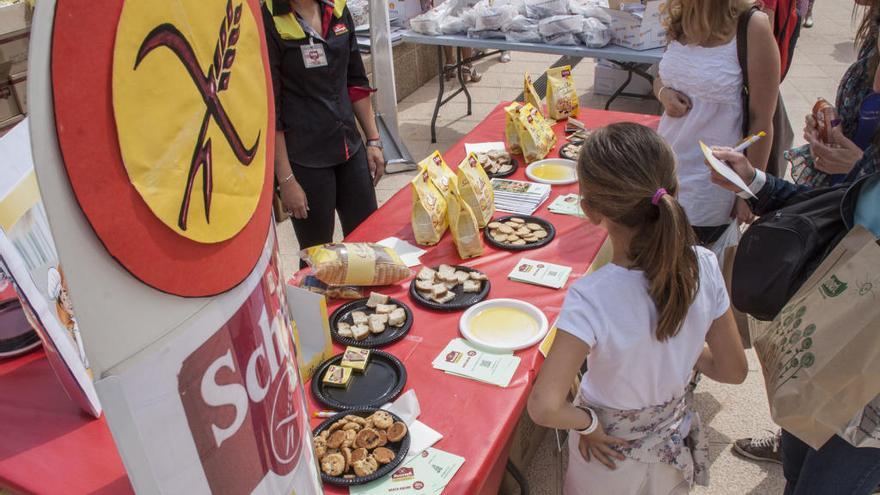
x,y
658,196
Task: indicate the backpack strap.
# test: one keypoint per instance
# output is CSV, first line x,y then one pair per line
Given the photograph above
x,y
742,54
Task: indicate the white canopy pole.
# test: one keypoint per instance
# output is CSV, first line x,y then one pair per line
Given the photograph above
x,y
385,99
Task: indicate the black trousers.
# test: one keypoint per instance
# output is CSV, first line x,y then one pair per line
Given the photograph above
x,y
346,189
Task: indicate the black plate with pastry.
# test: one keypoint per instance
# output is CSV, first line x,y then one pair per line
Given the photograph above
x,y
449,287
371,322
570,150
377,445
497,164
358,378
519,232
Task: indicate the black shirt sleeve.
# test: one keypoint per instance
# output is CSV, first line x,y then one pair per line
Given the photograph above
x,y
357,74
274,49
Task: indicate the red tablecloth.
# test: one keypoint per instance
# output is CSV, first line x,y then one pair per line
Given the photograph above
x,y
48,446
477,419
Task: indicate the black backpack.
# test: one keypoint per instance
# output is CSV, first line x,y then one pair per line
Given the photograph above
x,y
781,250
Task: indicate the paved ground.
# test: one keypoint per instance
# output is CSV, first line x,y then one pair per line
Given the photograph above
x,y
731,412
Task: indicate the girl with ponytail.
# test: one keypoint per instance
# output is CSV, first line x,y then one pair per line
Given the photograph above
x,y
644,323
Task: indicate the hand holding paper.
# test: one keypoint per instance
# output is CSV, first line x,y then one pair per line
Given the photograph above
x,y
725,175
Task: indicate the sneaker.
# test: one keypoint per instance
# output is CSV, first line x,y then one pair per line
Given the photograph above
x,y
760,449
808,22
505,57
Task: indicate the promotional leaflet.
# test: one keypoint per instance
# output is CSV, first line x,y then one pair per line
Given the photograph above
x,y
540,273
462,359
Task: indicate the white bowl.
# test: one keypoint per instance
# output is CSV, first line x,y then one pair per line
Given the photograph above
x,y
570,164
514,343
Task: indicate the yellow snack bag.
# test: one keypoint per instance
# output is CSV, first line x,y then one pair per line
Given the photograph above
x,y
428,209
439,172
511,128
355,263
464,227
536,137
529,93
476,189
562,98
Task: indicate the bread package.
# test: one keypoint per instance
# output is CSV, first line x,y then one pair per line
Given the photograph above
x,y
562,98
355,263
464,226
428,209
439,171
475,189
511,128
536,137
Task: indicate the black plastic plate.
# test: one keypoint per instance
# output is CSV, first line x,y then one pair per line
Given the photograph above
x,y
551,233
389,336
401,448
381,382
463,300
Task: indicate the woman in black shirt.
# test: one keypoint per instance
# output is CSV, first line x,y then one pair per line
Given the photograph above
x,y
321,163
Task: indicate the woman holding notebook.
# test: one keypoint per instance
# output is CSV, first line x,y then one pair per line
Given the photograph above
x,y
700,87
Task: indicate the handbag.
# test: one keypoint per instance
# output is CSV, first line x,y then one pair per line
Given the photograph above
x,y
781,249
803,168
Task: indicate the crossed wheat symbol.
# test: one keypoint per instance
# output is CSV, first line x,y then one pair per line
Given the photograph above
x,y
209,86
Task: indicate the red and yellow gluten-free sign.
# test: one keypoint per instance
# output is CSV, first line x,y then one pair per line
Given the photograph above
x,y
165,122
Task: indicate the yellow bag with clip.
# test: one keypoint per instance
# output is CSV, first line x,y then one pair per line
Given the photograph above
x,y
530,94
439,172
562,98
464,227
536,137
511,128
355,263
428,209
476,189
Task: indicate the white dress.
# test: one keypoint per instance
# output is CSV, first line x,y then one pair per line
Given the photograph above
x,y
712,79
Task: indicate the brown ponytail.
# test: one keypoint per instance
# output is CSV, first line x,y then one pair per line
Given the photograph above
x,y
621,168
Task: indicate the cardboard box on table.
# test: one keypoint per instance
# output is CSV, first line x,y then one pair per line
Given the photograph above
x,y
189,341
639,32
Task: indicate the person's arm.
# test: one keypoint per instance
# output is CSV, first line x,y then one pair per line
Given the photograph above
x,y
763,66
549,406
723,359
359,92
548,403
675,103
771,192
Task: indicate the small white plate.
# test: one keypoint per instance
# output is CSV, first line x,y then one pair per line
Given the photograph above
x,y
571,165
511,342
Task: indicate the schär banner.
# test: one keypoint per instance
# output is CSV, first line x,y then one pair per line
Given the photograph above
x,y
153,129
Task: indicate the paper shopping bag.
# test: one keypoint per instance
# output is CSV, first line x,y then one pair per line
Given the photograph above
x,y
821,354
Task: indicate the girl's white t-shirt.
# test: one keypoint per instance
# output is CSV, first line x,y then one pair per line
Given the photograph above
x,y
612,312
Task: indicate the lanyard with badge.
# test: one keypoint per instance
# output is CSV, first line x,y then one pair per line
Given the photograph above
x,y
313,54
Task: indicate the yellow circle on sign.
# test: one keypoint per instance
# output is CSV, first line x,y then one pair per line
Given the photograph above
x,y
191,108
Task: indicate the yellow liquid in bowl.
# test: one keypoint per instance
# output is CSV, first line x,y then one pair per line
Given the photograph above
x,y
503,325
553,171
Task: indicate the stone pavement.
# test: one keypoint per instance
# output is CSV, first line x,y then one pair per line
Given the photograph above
x,y
730,412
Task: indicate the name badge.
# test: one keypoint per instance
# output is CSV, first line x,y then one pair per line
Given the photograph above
x,y
314,55
340,29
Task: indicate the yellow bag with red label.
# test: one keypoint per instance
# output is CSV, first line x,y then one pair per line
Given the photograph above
x,y
536,137
511,128
476,190
562,98
439,171
530,94
464,226
355,263
428,209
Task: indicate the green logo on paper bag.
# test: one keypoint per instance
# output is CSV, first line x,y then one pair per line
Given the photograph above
x,y
833,287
